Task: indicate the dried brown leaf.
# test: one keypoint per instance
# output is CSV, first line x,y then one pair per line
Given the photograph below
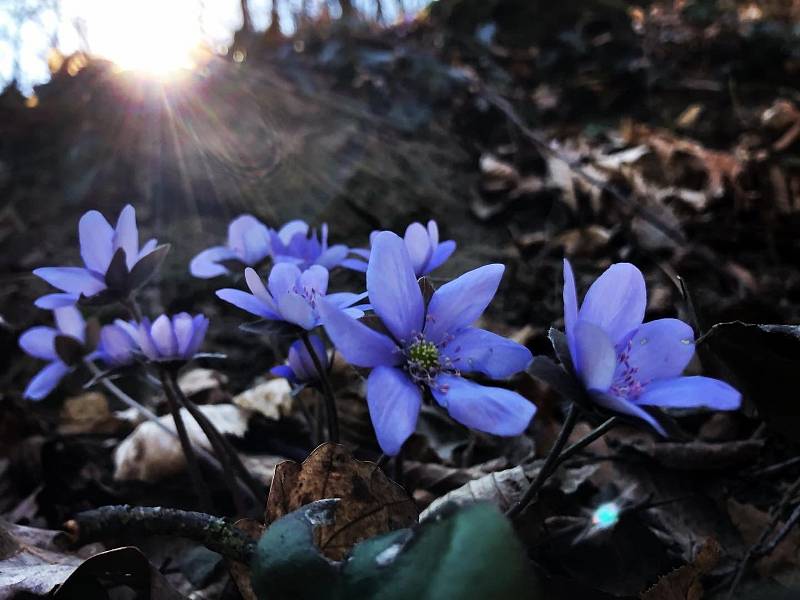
x,y
371,503
684,583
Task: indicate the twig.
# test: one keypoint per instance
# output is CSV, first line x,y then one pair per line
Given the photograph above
x,y
327,392
216,533
549,464
231,463
186,444
781,535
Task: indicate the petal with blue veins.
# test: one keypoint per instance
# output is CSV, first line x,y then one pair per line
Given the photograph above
x,y
691,392
616,301
394,403
360,345
393,289
485,352
459,303
489,409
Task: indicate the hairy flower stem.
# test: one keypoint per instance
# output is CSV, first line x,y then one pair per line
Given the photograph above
x,y
549,465
593,435
327,392
215,533
186,444
232,465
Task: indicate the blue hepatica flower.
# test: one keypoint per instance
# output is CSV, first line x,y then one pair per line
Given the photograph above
x,y
424,249
290,295
296,243
40,342
429,348
99,243
300,366
625,363
248,243
166,339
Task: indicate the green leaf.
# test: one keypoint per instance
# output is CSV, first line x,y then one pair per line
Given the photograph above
x,y
287,564
470,553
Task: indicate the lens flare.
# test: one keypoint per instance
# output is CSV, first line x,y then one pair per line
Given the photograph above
x,y
149,36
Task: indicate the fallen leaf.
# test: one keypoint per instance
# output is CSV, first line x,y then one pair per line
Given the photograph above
x,y
695,455
371,503
240,572
198,381
505,488
151,454
88,413
273,398
684,583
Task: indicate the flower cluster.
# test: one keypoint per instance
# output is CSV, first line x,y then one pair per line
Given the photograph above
x,y
416,346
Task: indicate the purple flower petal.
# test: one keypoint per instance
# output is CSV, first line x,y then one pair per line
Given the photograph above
x,y
206,264
46,380
333,256
394,402
460,302
360,345
148,247
344,299
259,290
287,233
570,306
595,357
691,392
315,278
246,302
418,244
51,301
69,321
73,280
660,349
296,309
199,329
145,340
479,350
282,278
433,233
625,407
440,254
616,301
284,371
248,238
355,264
301,362
183,325
490,409
126,235
116,345
393,288
39,342
164,337
96,240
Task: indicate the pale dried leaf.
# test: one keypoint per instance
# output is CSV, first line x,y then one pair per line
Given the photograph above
x,y
273,398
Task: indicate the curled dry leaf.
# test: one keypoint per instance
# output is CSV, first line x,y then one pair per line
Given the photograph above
x,y
684,583
31,561
371,503
273,398
505,488
440,479
151,454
